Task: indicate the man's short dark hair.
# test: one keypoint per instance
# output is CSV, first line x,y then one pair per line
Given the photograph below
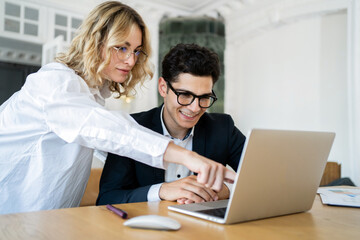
x,y
192,59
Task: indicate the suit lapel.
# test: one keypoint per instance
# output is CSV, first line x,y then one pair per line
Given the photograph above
x,y
198,141
157,122
159,174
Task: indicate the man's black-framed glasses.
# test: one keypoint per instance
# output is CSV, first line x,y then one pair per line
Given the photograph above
x,y
185,98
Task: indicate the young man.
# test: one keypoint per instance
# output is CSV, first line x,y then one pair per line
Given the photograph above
x,y
189,73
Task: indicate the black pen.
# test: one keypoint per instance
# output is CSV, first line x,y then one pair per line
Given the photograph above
x,y
117,211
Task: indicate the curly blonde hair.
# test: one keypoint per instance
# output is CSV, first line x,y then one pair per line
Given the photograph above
x,y
108,25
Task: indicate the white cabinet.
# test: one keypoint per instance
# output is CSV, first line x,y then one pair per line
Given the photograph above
x,y
52,48
32,22
21,20
63,23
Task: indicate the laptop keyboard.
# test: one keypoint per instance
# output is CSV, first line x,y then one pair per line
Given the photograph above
x,y
217,212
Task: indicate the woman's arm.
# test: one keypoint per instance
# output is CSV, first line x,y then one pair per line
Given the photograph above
x,y
210,173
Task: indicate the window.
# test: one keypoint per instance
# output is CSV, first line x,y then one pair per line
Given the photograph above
x,y
21,19
66,25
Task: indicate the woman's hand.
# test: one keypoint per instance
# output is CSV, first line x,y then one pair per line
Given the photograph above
x,y
210,173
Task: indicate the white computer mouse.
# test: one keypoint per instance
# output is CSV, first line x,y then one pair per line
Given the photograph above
x,y
155,222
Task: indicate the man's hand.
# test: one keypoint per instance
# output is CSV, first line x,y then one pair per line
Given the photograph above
x,y
187,188
223,194
210,173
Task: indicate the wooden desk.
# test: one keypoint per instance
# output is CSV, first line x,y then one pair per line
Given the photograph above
x,y
321,222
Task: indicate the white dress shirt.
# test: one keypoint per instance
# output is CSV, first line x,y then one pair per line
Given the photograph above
x,y
173,171
48,131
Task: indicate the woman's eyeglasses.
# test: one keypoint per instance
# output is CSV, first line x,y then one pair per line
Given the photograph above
x,y
123,53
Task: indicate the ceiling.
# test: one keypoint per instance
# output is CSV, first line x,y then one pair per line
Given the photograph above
x,y
170,8
189,6
176,7
197,7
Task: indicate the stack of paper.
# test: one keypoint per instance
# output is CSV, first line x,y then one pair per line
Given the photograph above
x,y
349,197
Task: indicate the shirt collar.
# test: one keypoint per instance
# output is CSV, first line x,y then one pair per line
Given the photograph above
x,y
166,132
101,93
105,90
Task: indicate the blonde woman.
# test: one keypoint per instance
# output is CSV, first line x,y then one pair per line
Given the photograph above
x,y
49,129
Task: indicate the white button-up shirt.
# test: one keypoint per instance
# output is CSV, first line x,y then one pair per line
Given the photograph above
x,y
48,131
173,171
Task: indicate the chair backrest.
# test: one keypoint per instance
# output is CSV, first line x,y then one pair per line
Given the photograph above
x,y
332,172
92,188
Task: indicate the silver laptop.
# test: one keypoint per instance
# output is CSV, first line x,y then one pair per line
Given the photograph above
x,y
278,174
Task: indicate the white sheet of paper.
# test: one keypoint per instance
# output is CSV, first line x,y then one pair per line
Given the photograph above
x,y
340,196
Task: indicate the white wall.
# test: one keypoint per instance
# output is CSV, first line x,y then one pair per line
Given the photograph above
x,y
294,77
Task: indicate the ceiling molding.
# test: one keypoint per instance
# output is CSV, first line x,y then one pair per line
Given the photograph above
x,y
81,7
252,22
211,8
20,56
156,5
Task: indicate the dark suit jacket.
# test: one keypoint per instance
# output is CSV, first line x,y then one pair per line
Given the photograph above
x,y
124,180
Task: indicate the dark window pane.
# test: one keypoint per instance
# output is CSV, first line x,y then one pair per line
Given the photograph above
x,y
60,20
60,32
31,14
12,9
30,29
75,23
12,25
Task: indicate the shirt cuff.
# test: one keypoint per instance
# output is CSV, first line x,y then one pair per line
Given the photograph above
x,y
153,193
229,186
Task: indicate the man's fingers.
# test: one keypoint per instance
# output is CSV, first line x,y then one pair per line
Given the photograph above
x,y
181,200
213,195
186,188
184,201
199,191
187,201
192,196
